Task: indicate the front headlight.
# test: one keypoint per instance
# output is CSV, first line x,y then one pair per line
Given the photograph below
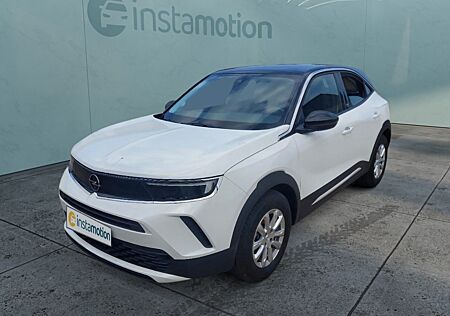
x,y
179,190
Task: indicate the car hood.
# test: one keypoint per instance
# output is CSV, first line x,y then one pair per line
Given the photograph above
x,y
153,148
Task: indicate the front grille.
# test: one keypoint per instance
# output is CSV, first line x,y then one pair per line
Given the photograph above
x,y
154,259
111,185
101,216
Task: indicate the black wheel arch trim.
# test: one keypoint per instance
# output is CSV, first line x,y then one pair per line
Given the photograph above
x,y
274,180
385,128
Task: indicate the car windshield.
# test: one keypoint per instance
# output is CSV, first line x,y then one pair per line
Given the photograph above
x,y
237,101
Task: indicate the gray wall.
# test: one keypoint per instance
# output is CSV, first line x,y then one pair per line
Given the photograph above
x,y
63,75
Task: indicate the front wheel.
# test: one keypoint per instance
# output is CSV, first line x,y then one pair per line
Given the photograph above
x,y
377,167
264,238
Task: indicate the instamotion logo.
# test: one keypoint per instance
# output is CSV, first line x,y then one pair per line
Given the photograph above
x,y
108,17
111,17
72,219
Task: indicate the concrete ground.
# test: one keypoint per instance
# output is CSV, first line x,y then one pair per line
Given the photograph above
x,y
365,252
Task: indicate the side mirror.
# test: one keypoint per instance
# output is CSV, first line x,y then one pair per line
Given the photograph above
x,y
318,121
169,104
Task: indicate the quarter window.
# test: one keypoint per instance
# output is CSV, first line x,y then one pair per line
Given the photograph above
x,y
322,94
355,88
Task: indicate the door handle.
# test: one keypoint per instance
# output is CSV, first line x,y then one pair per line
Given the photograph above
x,y
375,115
347,130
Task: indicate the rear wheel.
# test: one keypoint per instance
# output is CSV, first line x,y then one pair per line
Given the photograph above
x,y
264,239
377,167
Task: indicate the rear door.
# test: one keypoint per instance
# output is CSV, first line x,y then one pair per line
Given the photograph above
x,y
364,114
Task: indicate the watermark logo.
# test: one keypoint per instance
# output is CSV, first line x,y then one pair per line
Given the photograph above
x,y
108,17
111,17
72,219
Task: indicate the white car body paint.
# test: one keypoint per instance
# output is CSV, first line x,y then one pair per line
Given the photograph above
x,y
151,148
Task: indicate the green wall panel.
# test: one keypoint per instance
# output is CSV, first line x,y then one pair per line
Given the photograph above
x,y
44,106
71,67
137,71
408,58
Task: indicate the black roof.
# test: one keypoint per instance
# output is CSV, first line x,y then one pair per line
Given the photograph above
x,y
299,69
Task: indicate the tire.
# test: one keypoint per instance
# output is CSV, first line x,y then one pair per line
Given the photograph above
x,y
371,178
246,267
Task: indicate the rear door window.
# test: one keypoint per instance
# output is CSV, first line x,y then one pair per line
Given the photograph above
x,y
355,88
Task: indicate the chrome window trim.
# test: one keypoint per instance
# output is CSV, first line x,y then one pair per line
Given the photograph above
x,y
305,86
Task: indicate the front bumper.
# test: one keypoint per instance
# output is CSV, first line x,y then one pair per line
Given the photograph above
x,y
155,275
165,232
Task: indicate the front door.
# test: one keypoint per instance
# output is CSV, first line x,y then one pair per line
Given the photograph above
x,y
324,155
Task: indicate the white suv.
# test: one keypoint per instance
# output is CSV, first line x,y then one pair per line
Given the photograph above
x,y
214,183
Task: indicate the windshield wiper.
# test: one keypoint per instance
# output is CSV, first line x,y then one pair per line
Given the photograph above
x,y
198,124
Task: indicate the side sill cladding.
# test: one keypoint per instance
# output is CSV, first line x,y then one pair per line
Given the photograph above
x,y
275,180
305,206
317,198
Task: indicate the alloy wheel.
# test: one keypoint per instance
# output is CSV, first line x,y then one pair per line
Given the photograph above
x,y
380,161
268,238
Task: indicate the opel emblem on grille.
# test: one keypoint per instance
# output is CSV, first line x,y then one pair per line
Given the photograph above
x,y
95,182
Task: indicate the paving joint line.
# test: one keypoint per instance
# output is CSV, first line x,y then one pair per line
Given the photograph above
x,y
366,289
32,260
91,257
159,285
195,300
434,219
372,207
422,137
32,232
419,162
